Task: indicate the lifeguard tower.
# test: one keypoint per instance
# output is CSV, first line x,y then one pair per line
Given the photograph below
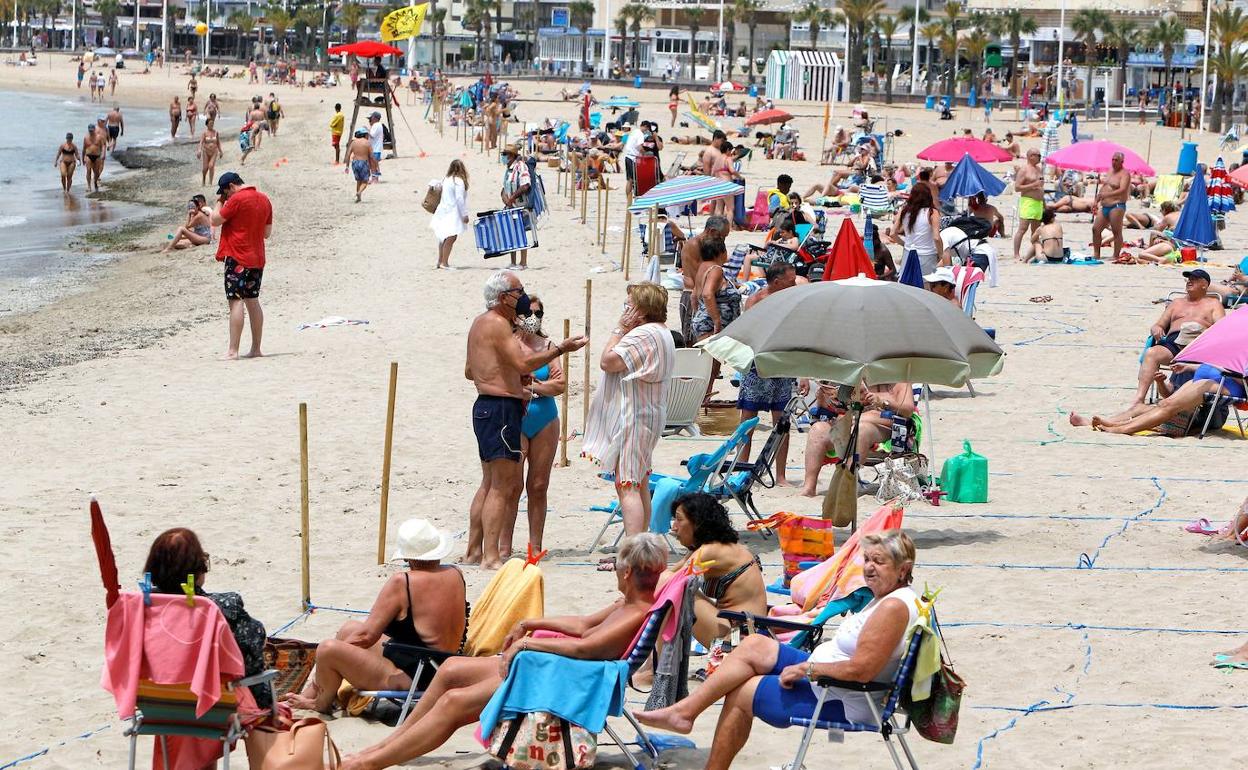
x,y
374,94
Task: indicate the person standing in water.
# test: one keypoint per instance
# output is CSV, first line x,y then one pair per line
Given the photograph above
x,y
208,151
67,158
93,147
192,115
116,126
175,117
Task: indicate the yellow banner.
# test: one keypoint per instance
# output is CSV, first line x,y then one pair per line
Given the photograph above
x,y
403,23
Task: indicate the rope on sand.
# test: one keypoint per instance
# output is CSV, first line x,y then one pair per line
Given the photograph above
x,y
1067,706
1070,329
1085,627
57,745
1089,562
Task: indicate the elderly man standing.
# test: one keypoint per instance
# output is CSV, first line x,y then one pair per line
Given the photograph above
x,y
376,143
690,258
500,368
1111,201
245,217
1183,319
1029,184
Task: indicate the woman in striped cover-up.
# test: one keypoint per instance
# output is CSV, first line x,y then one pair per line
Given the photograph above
x,y
629,408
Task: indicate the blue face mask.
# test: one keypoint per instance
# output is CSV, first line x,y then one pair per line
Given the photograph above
x,y
524,305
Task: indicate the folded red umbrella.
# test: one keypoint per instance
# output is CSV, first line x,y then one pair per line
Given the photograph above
x,y
768,116
848,256
104,555
366,49
952,150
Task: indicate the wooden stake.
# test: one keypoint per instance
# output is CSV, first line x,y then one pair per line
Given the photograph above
x,y
304,527
589,293
607,212
626,257
385,466
598,217
563,422
1149,153
584,196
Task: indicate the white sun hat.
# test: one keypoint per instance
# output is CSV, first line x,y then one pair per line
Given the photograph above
x,y
418,540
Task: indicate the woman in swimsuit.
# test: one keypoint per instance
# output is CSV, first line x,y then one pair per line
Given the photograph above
x,y
192,115
733,579
93,154
673,102
423,605
718,300
208,151
198,228
540,428
175,117
1048,241
67,158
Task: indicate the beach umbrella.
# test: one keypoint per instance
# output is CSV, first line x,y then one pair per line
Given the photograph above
x,y
727,86
620,101
1195,223
969,178
1239,176
911,272
769,116
1224,345
102,51
104,554
702,121
859,330
848,255
366,49
683,189
952,150
1096,156
1221,196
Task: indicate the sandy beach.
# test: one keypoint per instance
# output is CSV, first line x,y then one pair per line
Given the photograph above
x,y
119,390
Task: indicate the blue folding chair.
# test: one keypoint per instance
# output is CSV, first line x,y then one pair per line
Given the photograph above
x,y
886,724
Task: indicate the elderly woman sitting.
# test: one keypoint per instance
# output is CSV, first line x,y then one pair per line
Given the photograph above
x,y
463,686
771,681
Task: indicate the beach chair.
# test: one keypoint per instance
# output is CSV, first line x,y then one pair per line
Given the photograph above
x,y
737,479
1211,402
428,660
668,251
886,719
690,376
806,636
876,201
760,214
1168,188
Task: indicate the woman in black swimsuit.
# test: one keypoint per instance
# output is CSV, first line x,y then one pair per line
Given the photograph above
x,y
67,158
423,606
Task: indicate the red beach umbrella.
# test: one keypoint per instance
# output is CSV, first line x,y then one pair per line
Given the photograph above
x,y
768,116
367,49
104,555
952,150
848,256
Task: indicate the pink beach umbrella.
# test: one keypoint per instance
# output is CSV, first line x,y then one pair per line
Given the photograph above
x,y
952,150
1224,345
1096,156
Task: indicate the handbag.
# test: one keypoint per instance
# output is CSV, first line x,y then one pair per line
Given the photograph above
x,y
901,477
802,539
840,502
936,717
433,197
293,660
542,741
305,746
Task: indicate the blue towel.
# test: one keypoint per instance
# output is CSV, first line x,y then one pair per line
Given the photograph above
x,y
584,692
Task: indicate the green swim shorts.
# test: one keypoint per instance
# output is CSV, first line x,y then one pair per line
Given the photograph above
x,y
1030,208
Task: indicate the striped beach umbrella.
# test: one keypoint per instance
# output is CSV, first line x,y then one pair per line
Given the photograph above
x,y
683,189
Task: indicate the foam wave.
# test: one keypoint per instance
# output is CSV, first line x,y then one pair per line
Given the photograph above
x,y
11,220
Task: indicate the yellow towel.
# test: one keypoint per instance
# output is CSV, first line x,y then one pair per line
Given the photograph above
x,y
516,593
1169,187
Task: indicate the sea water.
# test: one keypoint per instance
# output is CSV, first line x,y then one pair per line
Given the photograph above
x,y
37,219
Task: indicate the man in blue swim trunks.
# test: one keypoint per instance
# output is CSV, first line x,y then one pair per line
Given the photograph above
x,y
358,156
501,369
1111,206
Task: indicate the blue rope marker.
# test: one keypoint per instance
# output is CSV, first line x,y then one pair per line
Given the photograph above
x,y
1070,329
1089,562
57,745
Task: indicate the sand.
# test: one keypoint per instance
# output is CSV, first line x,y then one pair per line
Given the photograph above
x,y
120,391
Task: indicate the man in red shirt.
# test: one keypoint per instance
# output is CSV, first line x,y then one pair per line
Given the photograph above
x,y
245,217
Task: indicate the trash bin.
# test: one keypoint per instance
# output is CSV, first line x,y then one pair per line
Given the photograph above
x,y
753,90
930,102
637,81
1187,159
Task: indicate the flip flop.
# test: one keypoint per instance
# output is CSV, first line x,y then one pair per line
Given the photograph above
x,y
1201,527
1230,665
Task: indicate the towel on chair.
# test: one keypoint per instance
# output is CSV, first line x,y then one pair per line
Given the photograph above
x,y
516,593
584,692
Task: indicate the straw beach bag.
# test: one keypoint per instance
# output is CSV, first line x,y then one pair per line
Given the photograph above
x,y
433,196
802,539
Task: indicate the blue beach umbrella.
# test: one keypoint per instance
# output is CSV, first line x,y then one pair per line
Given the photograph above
x,y
911,272
969,178
1195,223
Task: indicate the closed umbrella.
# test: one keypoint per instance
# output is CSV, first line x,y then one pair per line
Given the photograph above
x,y
1195,223
848,255
952,150
911,272
859,330
1097,156
769,116
1224,345
104,555
969,178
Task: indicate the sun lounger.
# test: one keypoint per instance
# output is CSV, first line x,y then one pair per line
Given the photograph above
x,y
686,390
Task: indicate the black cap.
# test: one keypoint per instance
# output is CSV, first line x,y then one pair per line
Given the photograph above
x,y
227,179
1198,273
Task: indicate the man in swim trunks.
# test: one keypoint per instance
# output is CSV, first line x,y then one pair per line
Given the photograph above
x,y
93,146
245,217
500,368
358,155
771,394
175,117
1111,201
1196,306
1029,183
335,132
116,126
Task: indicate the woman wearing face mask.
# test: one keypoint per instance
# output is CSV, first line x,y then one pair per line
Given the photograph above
x,y
540,428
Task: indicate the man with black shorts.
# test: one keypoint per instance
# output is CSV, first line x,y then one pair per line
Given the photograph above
x,y
245,217
501,369
1168,337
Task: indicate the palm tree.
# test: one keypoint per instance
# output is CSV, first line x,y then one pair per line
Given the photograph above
x,y
350,17
887,26
244,23
1229,65
1086,23
1123,36
109,10
437,17
1229,27
948,43
857,14
931,35
747,11
817,17
582,15
621,26
280,20
975,43
1014,23
640,13
693,18
730,24
1167,34
474,22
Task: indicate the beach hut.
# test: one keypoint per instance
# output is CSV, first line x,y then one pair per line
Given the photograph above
x,y
806,76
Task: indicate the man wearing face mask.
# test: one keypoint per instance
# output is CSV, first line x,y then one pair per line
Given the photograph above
x,y
500,368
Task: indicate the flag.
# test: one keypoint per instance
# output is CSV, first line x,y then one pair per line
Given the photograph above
x,y
403,23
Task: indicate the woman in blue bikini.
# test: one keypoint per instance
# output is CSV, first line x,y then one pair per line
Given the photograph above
x,y
540,428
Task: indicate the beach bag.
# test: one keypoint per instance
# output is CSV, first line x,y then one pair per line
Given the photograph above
x,y
901,477
965,477
802,539
840,502
542,741
293,660
936,716
305,746
433,197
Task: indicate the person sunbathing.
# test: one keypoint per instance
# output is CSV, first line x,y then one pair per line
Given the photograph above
x,y
980,207
1069,204
1141,417
198,228
856,172
773,682
733,579
874,427
1048,240
463,685
1010,145
423,606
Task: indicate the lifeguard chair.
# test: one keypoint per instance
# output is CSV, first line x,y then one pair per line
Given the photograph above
x,y
374,94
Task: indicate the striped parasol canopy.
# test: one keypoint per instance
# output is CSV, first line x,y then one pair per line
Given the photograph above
x,y
683,189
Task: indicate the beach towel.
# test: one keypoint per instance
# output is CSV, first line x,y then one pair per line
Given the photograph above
x,y
840,575
331,320
584,692
516,593
966,276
